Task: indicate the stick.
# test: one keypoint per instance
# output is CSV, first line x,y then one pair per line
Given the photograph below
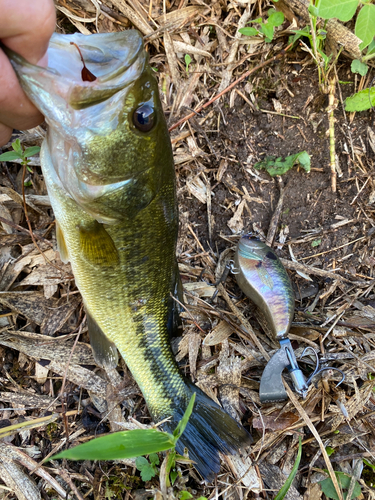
x,y
242,77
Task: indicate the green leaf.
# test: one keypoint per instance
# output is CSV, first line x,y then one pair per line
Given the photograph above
x,y
183,422
343,10
329,450
257,20
365,25
366,462
154,459
267,30
171,464
371,48
361,100
9,156
249,31
344,482
185,495
313,10
31,151
276,18
16,145
173,476
359,67
292,475
187,62
125,444
148,471
314,244
278,166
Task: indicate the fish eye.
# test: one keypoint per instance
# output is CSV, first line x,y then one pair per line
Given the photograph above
x,y
144,117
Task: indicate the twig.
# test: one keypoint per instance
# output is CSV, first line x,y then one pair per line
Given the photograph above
x,y
332,105
310,425
243,320
29,224
63,406
276,215
230,87
24,230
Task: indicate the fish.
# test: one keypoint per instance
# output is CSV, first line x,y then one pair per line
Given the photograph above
x,y
262,277
108,166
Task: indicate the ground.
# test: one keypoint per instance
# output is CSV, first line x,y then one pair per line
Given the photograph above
x,y
325,239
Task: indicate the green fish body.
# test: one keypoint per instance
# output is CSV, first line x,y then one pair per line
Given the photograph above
x,y
108,166
262,277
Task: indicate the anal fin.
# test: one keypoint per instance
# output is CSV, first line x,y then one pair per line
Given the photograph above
x,y
105,351
61,245
96,245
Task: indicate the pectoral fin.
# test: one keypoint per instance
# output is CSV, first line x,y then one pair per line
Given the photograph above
x,y
61,245
105,351
96,245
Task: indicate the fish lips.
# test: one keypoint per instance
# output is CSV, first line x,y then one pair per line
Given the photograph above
x,y
115,59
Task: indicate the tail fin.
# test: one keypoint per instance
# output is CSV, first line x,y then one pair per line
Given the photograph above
x,y
210,430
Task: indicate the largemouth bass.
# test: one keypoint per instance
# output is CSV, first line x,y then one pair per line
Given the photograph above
x,y
108,166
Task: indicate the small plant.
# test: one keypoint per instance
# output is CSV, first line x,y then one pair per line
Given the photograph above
x,y
148,467
314,244
344,482
266,28
277,166
187,62
284,490
128,444
364,30
19,153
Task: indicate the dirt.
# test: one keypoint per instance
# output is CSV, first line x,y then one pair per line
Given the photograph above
x,y
309,204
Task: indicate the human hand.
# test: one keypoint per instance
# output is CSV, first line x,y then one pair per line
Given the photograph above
x,y
25,27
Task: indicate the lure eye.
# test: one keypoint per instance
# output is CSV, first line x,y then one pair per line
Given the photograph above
x,y
144,117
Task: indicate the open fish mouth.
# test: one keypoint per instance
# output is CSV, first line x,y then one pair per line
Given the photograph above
x,y
115,60
83,112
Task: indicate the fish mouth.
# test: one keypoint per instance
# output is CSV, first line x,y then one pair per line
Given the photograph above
x,y
115,59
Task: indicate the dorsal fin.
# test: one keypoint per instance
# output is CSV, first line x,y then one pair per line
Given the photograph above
x,y
105,351
61,245
96,245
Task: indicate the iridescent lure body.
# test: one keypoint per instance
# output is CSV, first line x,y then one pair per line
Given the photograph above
x,y
262,277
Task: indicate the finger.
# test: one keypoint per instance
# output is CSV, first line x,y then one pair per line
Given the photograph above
x,y
26,27
16,111
5,134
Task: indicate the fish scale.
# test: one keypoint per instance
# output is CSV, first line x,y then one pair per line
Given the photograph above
x,y
108,167
157,375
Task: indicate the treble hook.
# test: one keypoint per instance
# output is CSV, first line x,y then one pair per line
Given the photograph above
x,y
316,360
327,368
320,370
229,268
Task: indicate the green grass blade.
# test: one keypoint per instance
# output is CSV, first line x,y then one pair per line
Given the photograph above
x,y
292,475
183,422
125,444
